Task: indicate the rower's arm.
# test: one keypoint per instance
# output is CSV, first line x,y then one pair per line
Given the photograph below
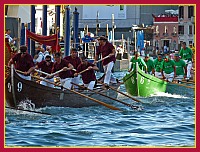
x,y
10,62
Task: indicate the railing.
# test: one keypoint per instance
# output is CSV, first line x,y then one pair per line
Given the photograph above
x,y
156,34
165,34
174,34
87,49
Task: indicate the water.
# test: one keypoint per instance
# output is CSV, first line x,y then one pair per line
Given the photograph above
x,y
164,120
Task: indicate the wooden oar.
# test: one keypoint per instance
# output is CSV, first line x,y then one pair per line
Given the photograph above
x,y
42,72
95,100
119,92
29,111
102,59
59,72
181,85
129,105
83,71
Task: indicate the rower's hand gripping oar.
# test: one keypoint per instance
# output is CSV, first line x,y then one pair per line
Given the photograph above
x,y
59,72
101,59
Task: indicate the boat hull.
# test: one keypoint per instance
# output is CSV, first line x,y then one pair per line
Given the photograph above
x,y
138,83
18,89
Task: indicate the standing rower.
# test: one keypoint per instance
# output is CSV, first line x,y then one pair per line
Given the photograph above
x,y
106,49
187,55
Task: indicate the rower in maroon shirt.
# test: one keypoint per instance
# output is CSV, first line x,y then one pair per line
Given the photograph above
x,y
23,62
65,75
75,61
46,66
88,76
106,49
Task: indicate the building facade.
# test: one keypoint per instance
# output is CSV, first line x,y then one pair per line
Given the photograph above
x,y
165,32
186,25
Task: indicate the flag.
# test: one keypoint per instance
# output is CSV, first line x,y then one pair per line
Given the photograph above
x,y
51,40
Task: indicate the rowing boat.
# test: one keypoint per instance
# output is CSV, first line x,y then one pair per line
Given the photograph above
x,y
18,90
138,83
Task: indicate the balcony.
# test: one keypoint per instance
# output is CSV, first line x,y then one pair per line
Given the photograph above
x,y
157,34
174,34
165,34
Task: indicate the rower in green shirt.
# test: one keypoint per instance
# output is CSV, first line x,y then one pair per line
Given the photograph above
x,y
187,55
168,69
142,65
181,69
150,65
157,64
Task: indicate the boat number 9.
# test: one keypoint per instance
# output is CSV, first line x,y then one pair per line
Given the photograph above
x,y
9,87
142,80
19,86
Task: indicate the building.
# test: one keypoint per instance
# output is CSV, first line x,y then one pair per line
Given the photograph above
x,y
186,25
125,16
165,32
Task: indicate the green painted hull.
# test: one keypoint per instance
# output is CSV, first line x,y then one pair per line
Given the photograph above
x,y
138,83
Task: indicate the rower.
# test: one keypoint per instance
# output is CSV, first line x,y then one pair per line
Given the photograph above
x,y
157,63
187,55
142,65
88,76
65,75
105,48
181,68
168,69
46,66
150,65
75,61
23,62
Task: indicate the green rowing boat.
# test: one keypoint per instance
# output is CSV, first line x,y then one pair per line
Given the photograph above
x,y
138,83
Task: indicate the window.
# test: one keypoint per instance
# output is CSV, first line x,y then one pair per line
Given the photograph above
x,y
190,11
190,29
181,29
121,7
181,12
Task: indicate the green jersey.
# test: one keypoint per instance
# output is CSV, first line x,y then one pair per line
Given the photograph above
x,y
168,67
180,67
157,64
150,65
140,61
186,54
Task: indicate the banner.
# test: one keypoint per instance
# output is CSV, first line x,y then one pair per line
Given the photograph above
x,y
46,40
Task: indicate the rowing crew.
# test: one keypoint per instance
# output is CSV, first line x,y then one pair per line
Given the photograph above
x,y
68,68
168,69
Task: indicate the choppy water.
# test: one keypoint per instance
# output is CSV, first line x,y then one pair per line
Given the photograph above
x,y
167,119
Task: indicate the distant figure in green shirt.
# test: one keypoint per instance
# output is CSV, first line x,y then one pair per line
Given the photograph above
x,y
157,64
181,69
187,55
142,65
150,65
168,69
